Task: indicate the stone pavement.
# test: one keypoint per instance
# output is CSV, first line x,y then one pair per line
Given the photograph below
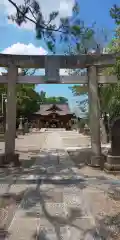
x,y
54,207
30,142
75,140
58,201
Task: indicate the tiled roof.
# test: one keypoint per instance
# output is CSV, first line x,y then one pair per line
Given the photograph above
x,y
61,109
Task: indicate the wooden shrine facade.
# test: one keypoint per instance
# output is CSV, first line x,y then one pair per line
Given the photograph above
x,y
53,116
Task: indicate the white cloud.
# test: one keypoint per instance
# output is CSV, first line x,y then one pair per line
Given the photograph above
x,y
22,49
63,6
30,49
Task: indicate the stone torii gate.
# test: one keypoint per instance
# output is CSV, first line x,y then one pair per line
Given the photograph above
x,y
52,65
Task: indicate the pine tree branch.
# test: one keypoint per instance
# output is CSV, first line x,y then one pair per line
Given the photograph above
x,y
45,27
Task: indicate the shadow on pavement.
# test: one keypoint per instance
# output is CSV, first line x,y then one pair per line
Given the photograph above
x,y
8,206
40,164
114,193
108,228
105,228
80,157
48,164
56,221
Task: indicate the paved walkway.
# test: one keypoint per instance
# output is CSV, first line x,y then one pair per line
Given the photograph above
x,y
57,201
56,209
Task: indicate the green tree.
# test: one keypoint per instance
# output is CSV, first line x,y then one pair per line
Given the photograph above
x,y
28,100
69,30
115,13
109,94
53,100
62,100
57,100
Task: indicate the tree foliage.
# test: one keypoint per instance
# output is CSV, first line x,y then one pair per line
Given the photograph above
x,y
27,98
70,29
114,47
109,94
57,100
115,13
78,90
52,100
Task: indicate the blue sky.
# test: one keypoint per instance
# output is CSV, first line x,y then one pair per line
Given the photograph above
x,y
90,11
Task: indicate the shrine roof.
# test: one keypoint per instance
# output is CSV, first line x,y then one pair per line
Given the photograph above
x,y
60,109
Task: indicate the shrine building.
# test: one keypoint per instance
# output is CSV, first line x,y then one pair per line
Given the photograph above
x,y
53,115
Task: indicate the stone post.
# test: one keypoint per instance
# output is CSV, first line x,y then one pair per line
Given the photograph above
x,y
94,116
20,129
10,134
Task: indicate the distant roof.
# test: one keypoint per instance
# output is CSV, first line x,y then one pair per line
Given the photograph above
x,y
60,109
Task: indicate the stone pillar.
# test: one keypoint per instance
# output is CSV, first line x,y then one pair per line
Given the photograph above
x,y
94,116
10,134
20,128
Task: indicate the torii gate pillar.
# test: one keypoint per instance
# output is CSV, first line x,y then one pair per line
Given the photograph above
x,y
10,134
94,112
